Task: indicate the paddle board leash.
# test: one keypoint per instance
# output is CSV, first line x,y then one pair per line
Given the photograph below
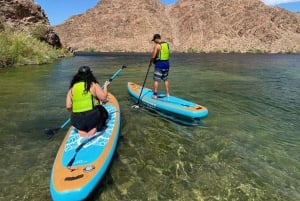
x,y
70,163
52,132
137,105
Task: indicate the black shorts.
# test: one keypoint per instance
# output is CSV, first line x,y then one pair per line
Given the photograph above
x,y
86,121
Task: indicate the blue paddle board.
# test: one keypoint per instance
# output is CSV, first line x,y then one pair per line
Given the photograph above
x,y
169,104
90,160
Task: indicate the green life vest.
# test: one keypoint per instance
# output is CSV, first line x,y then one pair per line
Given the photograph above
x,y
164,52
82,101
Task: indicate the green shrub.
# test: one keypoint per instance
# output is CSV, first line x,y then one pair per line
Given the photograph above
x,y
90,49
39,31
19,49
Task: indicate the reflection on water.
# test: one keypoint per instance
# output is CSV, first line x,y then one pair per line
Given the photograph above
x,y
246,149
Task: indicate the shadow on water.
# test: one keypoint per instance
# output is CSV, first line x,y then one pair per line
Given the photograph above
x,y
175,118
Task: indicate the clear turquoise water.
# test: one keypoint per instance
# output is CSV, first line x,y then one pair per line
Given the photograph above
x,y
246,149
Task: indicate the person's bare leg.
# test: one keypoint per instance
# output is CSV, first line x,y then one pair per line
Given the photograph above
x,y
167,85
82,133
155,86
92,132
87,134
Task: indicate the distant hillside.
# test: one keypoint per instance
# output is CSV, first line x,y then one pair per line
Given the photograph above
x,y
188,25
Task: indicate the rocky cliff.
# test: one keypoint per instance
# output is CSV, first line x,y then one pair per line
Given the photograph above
x,y
188,25
26,16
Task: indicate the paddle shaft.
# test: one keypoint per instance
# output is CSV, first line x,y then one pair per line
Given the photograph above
x,y
116,73
66,122
143,85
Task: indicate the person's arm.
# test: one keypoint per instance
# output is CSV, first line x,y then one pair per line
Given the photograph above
x,y
154,53
69,100
100,93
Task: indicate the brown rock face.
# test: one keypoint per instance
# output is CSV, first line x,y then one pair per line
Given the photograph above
x,y
188,25
26,16
115,25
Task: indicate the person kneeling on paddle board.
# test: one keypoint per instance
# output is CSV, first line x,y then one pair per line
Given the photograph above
x,y
160,57
84,102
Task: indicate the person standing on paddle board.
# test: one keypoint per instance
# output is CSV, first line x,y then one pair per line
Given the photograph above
x,y
84,102
160,57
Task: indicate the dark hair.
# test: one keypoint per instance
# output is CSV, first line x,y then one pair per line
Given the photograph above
x,y
85,75
156,36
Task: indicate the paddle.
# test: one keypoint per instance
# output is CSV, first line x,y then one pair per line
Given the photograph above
x,y
52,132
136,106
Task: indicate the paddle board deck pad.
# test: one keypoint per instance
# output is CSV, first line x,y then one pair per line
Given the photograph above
x,y
167,104
91,160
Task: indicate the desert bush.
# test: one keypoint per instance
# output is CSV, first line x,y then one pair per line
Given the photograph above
x,y
18,48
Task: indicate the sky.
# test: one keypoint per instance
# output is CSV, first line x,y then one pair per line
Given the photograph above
x,y
58,11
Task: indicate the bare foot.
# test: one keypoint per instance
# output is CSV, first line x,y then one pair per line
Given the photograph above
x,y
87,134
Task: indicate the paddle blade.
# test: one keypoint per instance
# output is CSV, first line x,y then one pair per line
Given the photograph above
x,y
51,132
